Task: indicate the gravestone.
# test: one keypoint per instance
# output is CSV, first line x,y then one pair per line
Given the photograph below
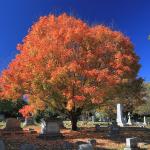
x,y
84,118
29,121
85,147
89,118
53,127
114,130
2,145
50,129
12,124
27,147
131,144
129,119
2,117
144,123
139,124
119,119
93,118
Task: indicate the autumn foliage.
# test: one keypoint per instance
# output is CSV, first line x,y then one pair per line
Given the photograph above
x,y
26,111
68,65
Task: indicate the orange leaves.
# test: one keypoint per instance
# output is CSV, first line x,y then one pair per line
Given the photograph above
x,y
67,94
57,73
95,100
119,72
19,47
6,87
92,72
118,56
88,90
79,98
90,55
103,74
26,110
74,66
64,58
70,105
49,64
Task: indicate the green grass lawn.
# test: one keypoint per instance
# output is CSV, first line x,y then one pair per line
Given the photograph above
x,y
2,124
87,124
67,124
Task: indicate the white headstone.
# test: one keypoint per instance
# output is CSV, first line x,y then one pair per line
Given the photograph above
x,y
119,116
129,119
131,143
43,127
144,123
93,118
85,147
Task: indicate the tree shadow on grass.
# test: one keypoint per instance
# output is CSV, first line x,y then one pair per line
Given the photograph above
x,y
72,139
142,134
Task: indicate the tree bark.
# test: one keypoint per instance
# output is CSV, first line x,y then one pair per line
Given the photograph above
x,y
74,120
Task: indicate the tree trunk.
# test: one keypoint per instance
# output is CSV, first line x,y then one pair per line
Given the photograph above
x,y
74,122
74,116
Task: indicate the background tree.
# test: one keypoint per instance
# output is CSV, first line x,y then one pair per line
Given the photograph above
x,y
144,109
69,66
46,113
11,108
130,95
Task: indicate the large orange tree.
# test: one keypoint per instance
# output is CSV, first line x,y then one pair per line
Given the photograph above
x,y
69,66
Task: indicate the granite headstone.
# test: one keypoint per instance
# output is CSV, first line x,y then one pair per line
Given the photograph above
x,y
12,124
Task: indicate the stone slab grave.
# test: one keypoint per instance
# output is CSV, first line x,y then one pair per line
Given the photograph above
x,y
12,124
50,129
131,144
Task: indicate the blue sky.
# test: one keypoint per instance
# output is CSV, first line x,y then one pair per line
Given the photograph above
x,y
128,16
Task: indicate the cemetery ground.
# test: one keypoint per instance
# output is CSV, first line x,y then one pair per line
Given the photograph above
x,y
72,138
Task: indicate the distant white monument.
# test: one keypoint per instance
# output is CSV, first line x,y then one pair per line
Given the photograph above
x,y
119,119
144,123
129,119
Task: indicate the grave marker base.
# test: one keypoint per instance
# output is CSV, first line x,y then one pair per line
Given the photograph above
x,y
51,136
